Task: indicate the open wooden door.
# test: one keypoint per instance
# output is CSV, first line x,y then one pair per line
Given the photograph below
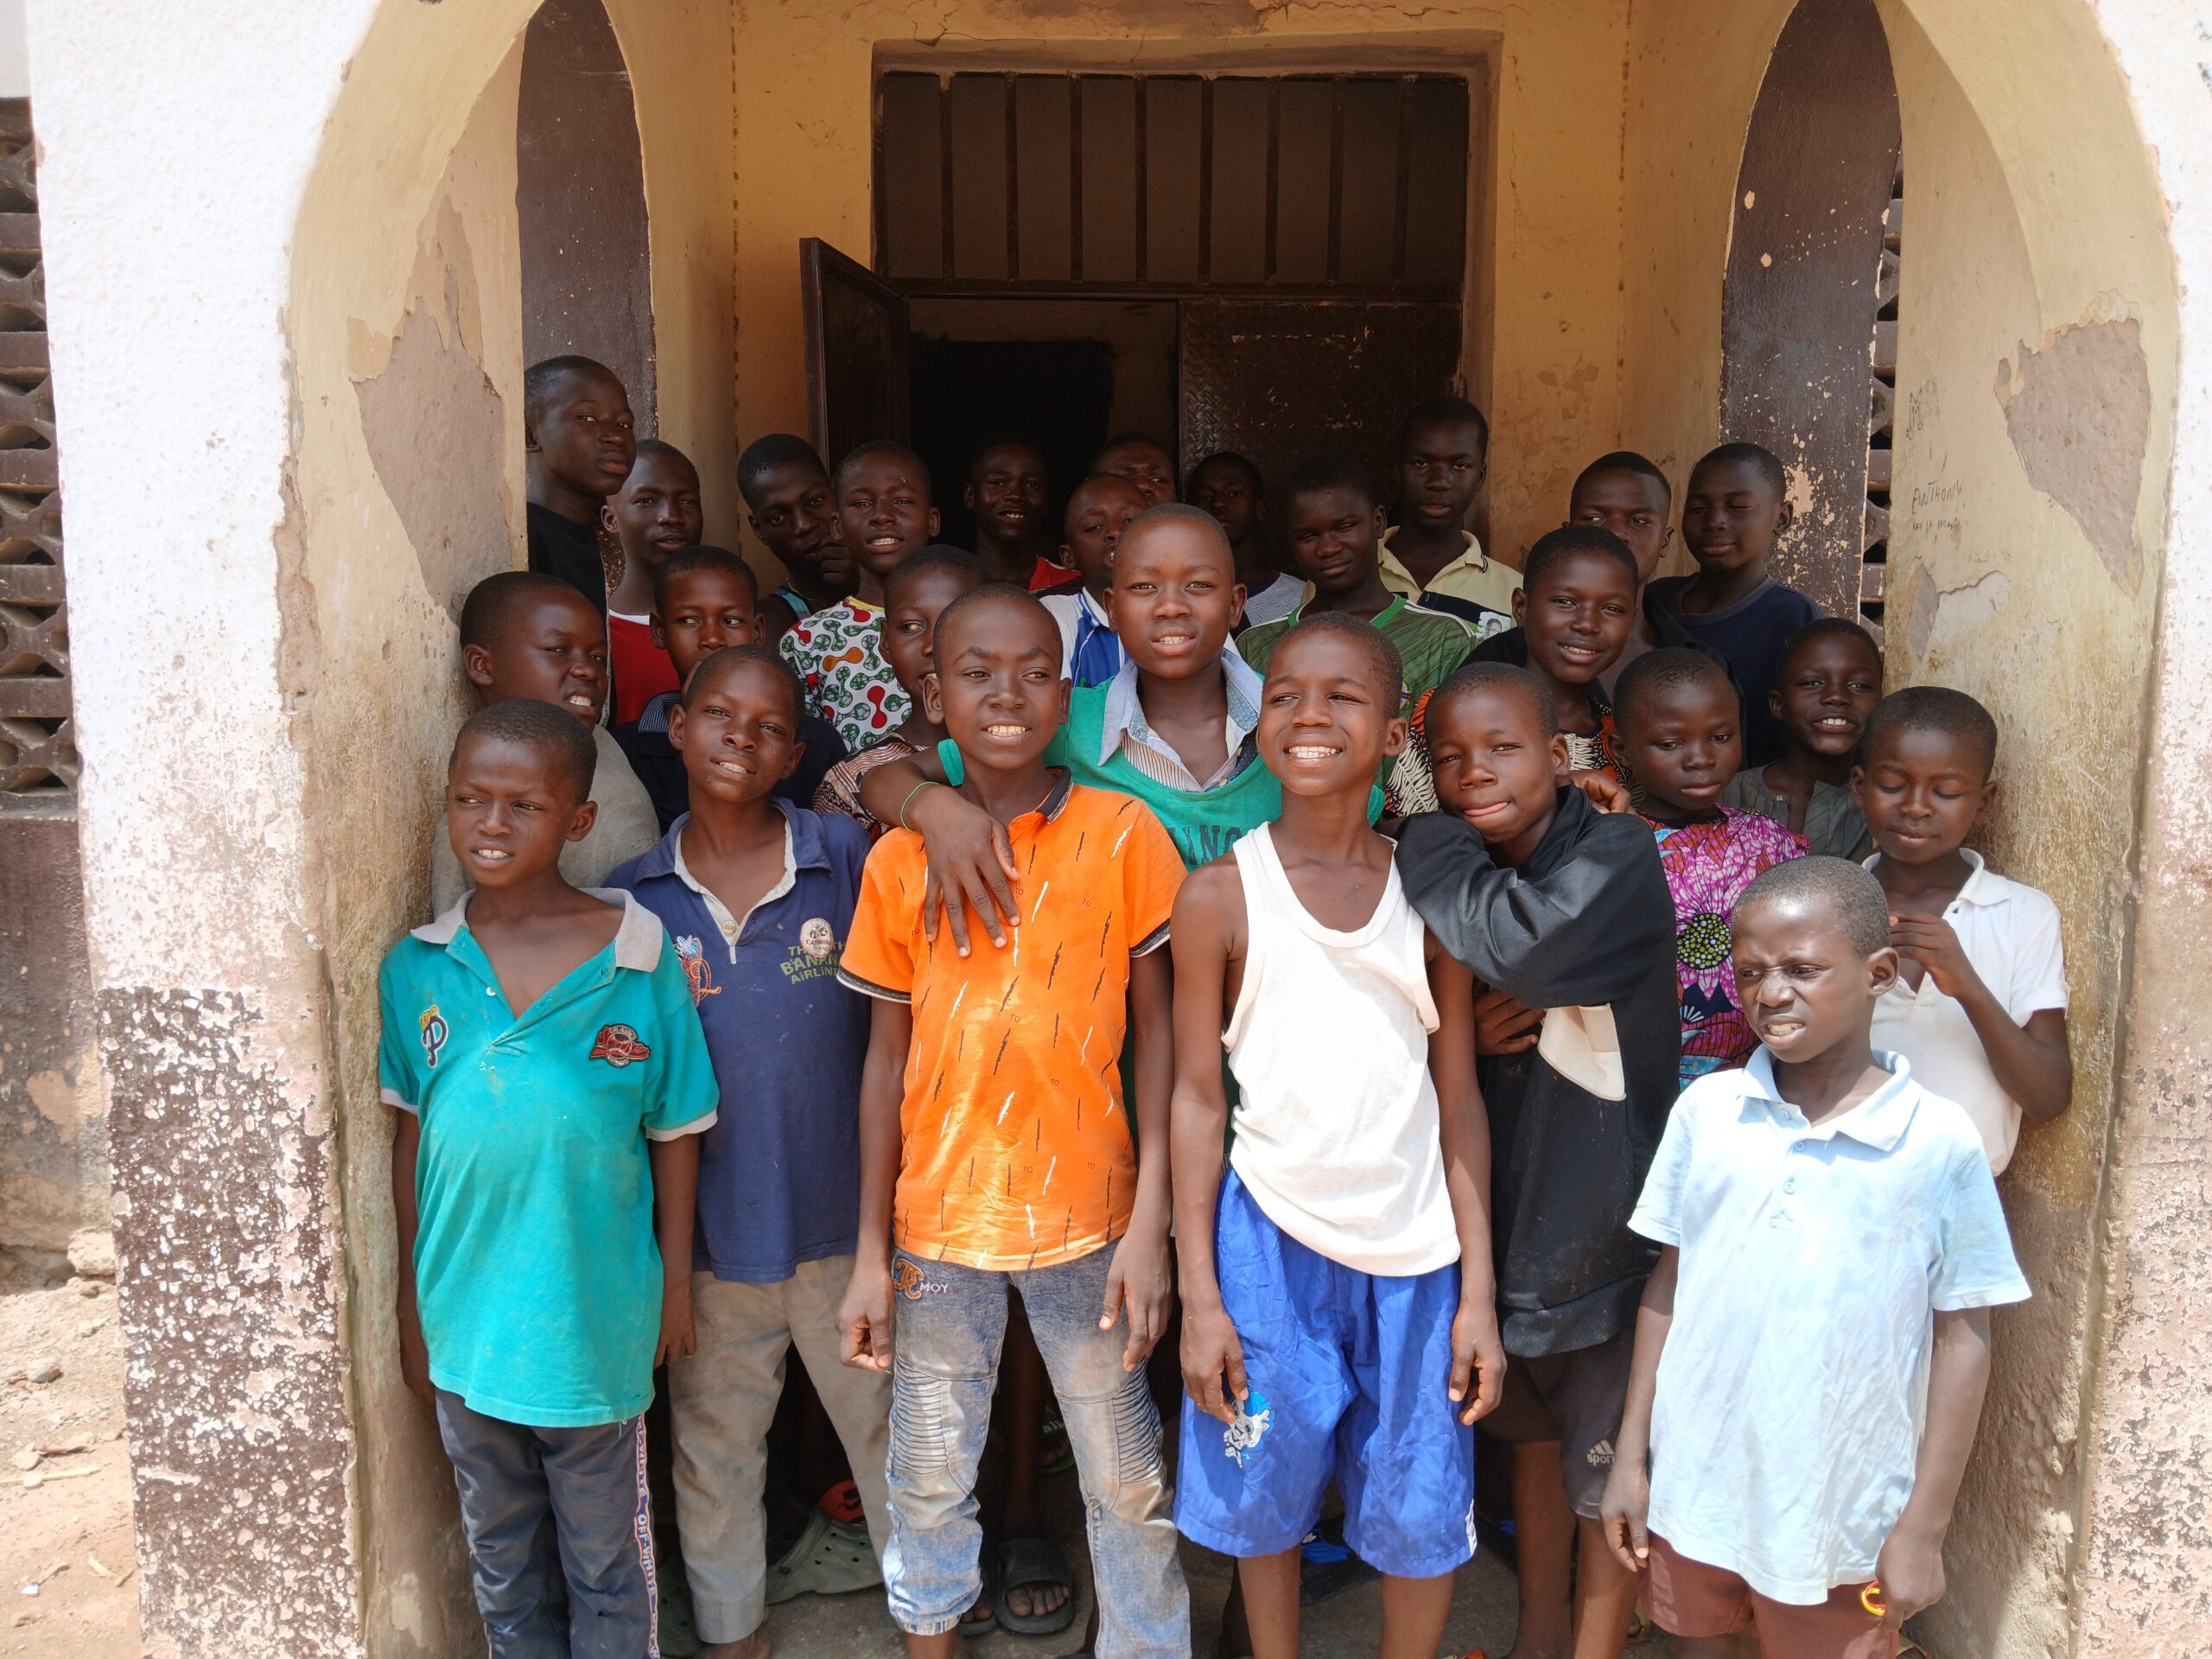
x,y
856,352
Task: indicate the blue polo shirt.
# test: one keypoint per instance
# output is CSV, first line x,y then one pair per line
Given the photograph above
x,y
535,1264
779,1174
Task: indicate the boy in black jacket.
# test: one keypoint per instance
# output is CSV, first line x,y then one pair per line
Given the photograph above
x,y
1563,909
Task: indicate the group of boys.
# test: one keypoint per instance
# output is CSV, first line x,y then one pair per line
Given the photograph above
x,y
1562,999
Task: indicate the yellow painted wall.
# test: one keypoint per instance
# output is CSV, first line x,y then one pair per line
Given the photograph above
x,y
2034,261
1543,355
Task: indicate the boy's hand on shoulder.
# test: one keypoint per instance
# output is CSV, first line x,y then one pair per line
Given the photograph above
x,y
1213,1360
1929,941
864,1318
679,1332
1606,792
1910,1572
1505,1025
971,863
1137,1280
1477,1358
1621,1512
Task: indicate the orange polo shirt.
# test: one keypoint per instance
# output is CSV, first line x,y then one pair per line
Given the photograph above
x,y
1017,1152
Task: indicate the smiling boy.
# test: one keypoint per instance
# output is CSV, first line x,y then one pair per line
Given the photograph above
x,y
757,893
1812,1346
1009,492
883,514
1563,909
533,1299
996,1150
581,440
1340,1316
527,635
1101,510
1831,680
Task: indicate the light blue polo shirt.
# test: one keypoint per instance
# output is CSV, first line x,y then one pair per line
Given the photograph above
x,y
1794,1385
535,1265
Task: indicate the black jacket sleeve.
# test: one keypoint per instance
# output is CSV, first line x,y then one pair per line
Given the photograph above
x,y
1581,933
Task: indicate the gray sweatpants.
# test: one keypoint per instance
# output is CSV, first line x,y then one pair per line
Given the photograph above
x,y
560,1534
724,1401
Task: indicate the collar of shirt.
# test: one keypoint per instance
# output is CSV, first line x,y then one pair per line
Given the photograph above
x,y
1398,579
1983,885
733,925
637,941
1125,724
1382,619
1880,1121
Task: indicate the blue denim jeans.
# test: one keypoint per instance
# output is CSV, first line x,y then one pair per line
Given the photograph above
x,y
947,1325
560,1534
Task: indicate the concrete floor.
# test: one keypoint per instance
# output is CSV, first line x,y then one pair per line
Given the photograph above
x,y
856,1626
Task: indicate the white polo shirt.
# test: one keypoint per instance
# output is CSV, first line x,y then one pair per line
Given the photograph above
x,y
2009,933
1794,1384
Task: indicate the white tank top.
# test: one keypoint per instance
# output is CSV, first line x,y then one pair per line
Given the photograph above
x,y
1337,1128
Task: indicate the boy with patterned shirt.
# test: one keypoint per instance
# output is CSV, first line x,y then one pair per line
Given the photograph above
x,y
1679,722
883,514
996,1149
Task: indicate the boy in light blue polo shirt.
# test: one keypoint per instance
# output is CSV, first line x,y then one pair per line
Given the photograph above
x,y
759,896
539,1046
1813,1347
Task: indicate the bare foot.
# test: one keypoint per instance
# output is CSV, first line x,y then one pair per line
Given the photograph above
x,y
754,1646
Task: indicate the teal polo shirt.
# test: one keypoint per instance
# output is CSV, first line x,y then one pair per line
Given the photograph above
x,y
536,1266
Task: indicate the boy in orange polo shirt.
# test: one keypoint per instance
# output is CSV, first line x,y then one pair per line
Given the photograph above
x,y
995,1148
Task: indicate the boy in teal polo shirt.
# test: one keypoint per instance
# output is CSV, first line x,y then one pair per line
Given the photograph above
x,y
538,1040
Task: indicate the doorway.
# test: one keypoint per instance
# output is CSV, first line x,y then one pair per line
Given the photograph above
x,y
1271,264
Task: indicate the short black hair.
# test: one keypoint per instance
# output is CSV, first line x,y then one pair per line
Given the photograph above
x,y
935,557
656,446
1444,409
1469,678
991,591
767,454
1837,889
1768,463
561,740
767,656
1669,668
898,452
690,561
1625,460
494,603
1122,438
1181,513
1332,471
1229,458
543,380
1936,709
1001,438
1555,547
1374,644
1829,628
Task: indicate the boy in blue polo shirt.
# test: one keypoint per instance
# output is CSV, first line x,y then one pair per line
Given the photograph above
x,y
758,895
539,1046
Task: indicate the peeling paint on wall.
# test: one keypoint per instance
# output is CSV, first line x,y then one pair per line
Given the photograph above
x,y
226,1234
2079,411
437,427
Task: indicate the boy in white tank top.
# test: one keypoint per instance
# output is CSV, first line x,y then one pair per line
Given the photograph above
x,y
1339,1309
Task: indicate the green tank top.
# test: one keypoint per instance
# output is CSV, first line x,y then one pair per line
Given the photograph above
x,y
1203,824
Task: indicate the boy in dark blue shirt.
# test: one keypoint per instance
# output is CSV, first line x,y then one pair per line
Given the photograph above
x,y
758,895
1734,510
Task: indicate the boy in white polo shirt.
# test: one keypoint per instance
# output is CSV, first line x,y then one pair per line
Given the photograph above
x,y
1980,1005
1814,1345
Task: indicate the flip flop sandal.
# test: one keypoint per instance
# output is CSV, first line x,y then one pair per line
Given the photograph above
x,y
1024,1562
1061,1461
830,1559
1327,1568
842,1502
1640,1629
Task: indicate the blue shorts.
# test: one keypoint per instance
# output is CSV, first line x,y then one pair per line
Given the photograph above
x,y
1347,1373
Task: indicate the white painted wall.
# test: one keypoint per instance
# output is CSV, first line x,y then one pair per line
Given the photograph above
x,y
15,51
